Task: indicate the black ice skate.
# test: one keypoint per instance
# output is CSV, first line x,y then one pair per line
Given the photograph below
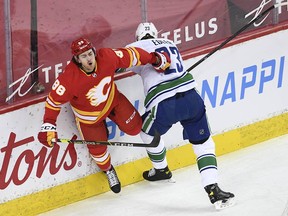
x,y
219,198
157,174
113,180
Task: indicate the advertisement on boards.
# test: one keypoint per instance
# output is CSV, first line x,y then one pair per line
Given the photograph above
x,y
244,83
240,85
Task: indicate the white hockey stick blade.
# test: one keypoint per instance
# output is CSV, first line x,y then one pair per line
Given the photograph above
x,y
222,204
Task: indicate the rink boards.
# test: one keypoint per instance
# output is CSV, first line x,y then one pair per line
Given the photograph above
x,y
245,90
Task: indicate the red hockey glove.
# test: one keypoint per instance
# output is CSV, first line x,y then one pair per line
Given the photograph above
x,y
46,134
162,61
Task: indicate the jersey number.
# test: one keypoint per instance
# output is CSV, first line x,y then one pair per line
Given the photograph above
x,y
172,51
58,88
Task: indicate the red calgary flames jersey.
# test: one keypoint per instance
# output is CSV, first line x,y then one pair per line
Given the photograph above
x,y
92,96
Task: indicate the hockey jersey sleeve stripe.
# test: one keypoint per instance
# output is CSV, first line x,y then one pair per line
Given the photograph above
x,y
58,104
134,56
51,104
47,105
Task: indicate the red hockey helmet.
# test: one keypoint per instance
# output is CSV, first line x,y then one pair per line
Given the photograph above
x,y
80,45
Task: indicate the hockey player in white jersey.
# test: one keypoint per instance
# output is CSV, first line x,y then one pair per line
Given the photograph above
x,y
171,97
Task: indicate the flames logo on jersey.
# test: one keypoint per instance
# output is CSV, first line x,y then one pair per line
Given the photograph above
x,y
99,94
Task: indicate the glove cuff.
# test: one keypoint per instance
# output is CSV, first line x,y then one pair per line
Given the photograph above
x,y
156,59
162,62
48,127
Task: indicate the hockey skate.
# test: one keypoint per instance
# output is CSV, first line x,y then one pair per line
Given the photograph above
x,y
158,174
219,198
113,180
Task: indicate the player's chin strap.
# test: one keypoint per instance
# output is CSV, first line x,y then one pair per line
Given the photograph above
x,y
154,142
279,4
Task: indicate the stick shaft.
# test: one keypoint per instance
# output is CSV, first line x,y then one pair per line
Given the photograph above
x,y
154,142
85,142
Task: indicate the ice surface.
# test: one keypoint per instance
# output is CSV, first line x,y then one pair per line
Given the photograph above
x,y
257,175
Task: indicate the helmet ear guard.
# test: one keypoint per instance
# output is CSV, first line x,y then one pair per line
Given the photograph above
x,y
146,30
81,45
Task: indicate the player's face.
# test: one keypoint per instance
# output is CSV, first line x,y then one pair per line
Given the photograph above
x,y
87,59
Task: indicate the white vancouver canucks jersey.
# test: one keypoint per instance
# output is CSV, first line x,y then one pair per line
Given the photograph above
x,y
159,86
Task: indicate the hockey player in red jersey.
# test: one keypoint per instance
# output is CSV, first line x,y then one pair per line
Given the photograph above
x,y
87,83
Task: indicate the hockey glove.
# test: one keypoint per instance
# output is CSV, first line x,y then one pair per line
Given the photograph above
x,y
46,134
162,61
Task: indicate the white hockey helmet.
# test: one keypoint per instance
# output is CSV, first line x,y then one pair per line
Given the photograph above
x,y
146,29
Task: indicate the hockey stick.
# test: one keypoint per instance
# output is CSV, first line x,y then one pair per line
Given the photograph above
x,y
282,3
154,142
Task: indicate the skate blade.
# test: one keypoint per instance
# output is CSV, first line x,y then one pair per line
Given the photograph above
x,y
219,205
171,180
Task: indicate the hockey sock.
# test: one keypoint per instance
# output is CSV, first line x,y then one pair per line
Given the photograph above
x,y
157,155
206,161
